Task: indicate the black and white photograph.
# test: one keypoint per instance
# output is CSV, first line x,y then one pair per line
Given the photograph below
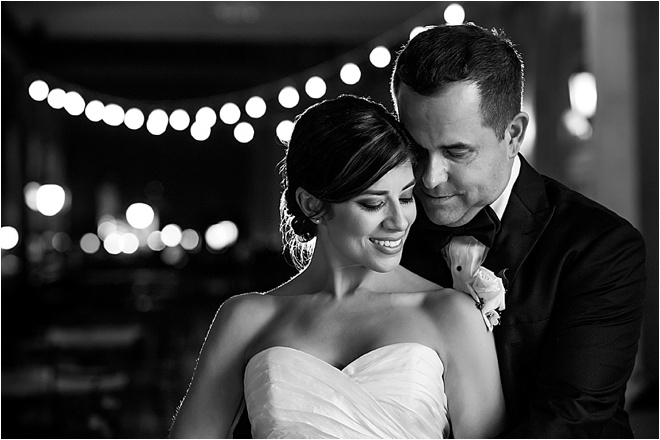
x,y
329,219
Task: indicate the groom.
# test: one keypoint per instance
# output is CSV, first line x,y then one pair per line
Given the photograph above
x,y
575,271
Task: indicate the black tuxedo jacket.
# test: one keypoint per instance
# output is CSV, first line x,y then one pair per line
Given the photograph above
x,y
568,337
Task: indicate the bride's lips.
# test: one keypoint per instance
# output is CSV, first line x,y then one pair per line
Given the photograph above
x,y
388,245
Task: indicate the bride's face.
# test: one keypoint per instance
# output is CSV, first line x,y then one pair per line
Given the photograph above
x,y
370,229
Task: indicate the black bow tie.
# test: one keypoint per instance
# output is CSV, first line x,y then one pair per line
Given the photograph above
x,y
483,227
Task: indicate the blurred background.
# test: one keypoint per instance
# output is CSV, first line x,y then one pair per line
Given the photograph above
x,y
140,186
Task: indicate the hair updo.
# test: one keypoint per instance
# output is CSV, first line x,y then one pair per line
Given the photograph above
x,y
338,148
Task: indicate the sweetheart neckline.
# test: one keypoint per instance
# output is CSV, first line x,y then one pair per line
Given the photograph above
x,y
343,369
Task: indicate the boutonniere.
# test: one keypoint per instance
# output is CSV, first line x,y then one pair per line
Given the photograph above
x,y
465,254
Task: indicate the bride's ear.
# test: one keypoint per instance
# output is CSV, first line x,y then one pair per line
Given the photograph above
x,y
310,205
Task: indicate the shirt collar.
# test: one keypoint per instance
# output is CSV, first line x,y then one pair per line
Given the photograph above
x,y
499,205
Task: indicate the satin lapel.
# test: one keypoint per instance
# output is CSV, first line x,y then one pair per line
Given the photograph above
x,y
526,216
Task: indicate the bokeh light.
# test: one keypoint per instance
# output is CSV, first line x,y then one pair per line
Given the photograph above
x,y
454,14
179,119
315,87
206,116
50,199
284,130
113,115
113,243
134,118
74,104
416,31
221,235
8,237
200,131
155,242
171,235
157,122
255,107
56,98
190,239
38,90
380,57
288,97
230,113
30,195
244,132
90,243
350,73
94,111
61,241
140,215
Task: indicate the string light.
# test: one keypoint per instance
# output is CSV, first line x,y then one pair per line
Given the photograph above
x,y
350,74
38,90
284,130
113,115
74,104
315,87
56,98
179,119
134,118
255,107
230,113
380,57
244,132
288,97
94,111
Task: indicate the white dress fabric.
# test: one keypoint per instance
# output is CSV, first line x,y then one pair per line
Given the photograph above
x,y
395,391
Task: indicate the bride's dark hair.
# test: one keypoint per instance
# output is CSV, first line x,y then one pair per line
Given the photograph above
x,y
338,149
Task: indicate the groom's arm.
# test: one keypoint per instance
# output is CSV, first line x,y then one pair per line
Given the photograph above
x,y
588,353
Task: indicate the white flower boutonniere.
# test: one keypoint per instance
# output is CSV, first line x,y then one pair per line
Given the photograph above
x,y
465,255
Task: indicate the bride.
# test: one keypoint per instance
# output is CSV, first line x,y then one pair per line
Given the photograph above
x,y
355,345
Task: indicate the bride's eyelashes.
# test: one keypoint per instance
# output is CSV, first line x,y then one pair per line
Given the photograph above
x,y
377,205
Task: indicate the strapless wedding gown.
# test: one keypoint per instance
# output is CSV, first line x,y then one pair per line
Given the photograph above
x,y
395,391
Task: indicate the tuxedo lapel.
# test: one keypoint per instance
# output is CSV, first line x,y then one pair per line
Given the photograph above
x,y
526,216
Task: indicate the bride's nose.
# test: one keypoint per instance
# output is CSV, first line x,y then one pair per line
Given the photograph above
x,y
396,219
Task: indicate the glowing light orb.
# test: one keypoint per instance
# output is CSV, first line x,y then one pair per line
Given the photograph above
x,y
244,132
380,57
134,118
288,97
255,107
350,74
179,119
221,235
315,87
454,14
113,115
74,104
50,199
284,130
206,116
140,215
199,131
90,243
171,235
8,237
56,98
230,113
94,111
38,90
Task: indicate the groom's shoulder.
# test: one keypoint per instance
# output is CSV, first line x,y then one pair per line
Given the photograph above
x,y
571,207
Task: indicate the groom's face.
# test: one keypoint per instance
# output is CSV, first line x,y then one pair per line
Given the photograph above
x,y
462,165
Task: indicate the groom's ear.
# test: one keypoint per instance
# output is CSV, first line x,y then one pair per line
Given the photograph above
x,y
309,204
515,133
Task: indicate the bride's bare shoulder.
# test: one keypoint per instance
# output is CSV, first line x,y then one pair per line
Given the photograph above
x,y
414,282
